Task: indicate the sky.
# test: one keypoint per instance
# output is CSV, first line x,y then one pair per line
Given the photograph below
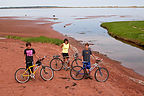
x,y
13,3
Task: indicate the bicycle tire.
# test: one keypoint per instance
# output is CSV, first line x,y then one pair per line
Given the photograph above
x,y
80,69
73,63
21,74
46,68
61,64
99,70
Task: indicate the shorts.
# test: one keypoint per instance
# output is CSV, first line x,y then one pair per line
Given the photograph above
x,y
65,55
88,65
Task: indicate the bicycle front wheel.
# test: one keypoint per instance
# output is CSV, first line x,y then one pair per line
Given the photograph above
x,y
101,74
77,73
46,73
22,76
56,64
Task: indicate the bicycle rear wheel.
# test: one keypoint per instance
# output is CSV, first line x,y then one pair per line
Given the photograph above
x,y
101,74
56,64
46,73
77,73
76,62
22,76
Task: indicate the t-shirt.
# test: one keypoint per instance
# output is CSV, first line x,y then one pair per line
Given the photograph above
x,y
86,55
65,48
29,54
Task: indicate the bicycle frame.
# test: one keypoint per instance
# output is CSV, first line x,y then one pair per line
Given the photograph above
x,y
91,69
30,70
72,58
37,67
94,66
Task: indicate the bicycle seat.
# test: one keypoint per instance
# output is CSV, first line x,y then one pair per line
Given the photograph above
x,y
38,63
56,56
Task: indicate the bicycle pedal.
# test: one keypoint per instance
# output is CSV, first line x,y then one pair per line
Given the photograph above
x,y
64,68
67,69
32,76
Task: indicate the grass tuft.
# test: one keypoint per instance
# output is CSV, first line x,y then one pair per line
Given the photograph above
x,y
132,31
41,39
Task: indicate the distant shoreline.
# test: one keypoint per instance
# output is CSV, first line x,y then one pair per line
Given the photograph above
x,y
25,7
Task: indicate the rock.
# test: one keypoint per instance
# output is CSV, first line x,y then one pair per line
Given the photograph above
x,y
64,78
66,87
82,33
53,15
74,84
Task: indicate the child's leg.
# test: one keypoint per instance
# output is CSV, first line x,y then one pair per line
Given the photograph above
x,y
30,64
89,71
68,63
27,66
88,67
85,68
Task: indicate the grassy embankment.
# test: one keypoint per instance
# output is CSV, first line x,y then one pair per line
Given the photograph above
x,y
41,39
130,31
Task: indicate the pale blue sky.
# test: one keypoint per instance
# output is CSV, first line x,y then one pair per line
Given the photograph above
x,y
71,2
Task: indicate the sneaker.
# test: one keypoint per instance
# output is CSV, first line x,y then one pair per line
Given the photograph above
x,y
90,77
86,76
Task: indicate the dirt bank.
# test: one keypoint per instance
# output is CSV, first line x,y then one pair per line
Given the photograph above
x,y
122,81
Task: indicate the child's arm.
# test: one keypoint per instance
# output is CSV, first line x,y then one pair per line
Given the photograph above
x,y
82,58
36,56
95,57
61,45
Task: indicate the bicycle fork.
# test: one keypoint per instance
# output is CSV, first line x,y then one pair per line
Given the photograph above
x,y
43,67
100,71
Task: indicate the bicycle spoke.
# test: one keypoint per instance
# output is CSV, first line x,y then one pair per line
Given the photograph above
x,y
77,73
56,64
21,75
46,73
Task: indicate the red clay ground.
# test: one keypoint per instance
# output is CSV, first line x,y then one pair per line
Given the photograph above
x,y
11,58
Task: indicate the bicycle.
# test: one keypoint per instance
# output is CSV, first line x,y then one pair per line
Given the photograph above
x,y
57,63
101,73
23,75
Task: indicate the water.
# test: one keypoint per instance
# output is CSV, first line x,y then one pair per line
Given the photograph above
x,y
89,30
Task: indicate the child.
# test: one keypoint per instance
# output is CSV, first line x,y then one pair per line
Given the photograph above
x,y
28,53
86,53
65,51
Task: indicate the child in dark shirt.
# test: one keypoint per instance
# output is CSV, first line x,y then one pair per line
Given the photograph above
x,y
86,53
28,54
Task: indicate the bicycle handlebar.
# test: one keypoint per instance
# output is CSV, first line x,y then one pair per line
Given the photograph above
x,y
41,59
